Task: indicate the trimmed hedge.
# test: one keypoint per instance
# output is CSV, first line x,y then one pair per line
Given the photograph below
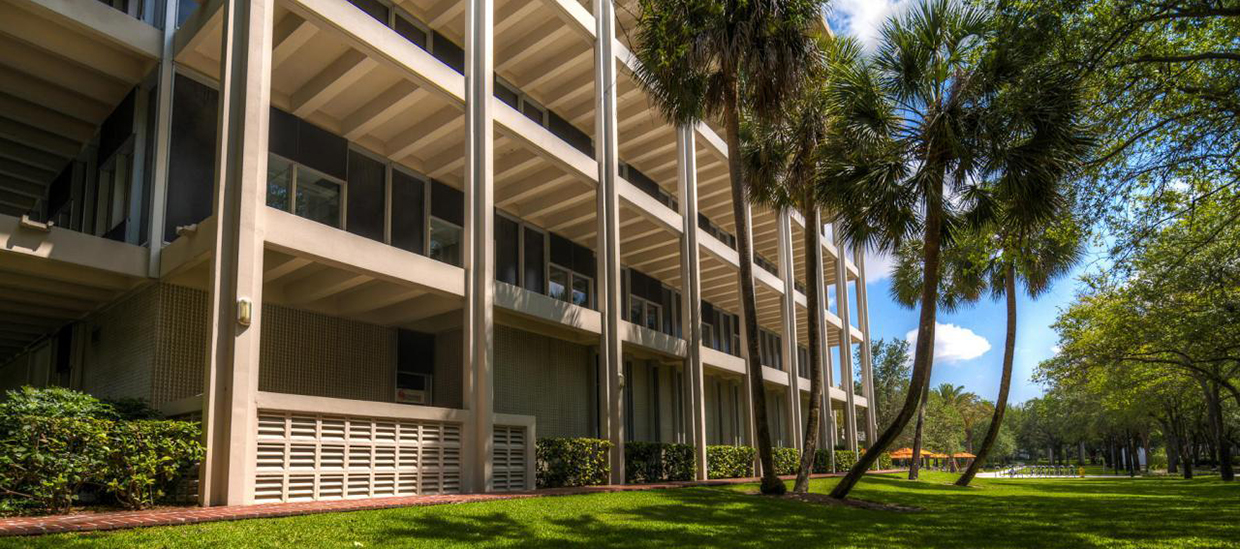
x,y
884,461
572,462
822,461
787,460
844,460
48,460
729,461
646,462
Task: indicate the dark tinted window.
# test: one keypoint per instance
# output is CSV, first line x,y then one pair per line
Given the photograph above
x,y
507,249
534,255
561,251
282,134
116,128
451,54
321,150
185,9
570,134
506,94
411,32
447,203
373,8
408,217
533,112
191,167
365,196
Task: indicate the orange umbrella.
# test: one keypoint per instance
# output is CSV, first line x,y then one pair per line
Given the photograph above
x,y
963,455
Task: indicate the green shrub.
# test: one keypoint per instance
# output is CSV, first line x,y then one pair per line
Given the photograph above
x,y
884,461
787,460
54,442
844,460
133,408
51,402
145,459
47,460
572,462
822,461
729,461
646,462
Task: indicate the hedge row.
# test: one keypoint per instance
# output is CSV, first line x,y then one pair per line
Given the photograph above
x,y
572,462
787,460
47,461
729,461
646,462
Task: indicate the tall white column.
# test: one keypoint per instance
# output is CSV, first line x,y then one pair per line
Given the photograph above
x,y
479,235
691,294
610,349
867,367
846,363
163,142
229,413
788,339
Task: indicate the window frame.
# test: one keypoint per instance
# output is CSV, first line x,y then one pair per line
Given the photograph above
x,y
295,172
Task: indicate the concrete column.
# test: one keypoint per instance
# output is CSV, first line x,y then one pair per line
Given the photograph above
x,y
846,363
229,413
691,293
867,368
608,279
827,425
479,235
163,141
789,328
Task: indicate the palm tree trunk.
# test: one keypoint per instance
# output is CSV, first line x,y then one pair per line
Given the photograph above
x,y
749,309
813,262
915,470
922,354
1005,380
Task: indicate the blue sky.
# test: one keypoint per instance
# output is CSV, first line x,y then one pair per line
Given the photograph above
x,y
968,343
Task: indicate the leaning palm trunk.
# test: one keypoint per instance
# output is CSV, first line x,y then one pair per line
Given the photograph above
x,y
813,262
915,469
740,211
1005,380
922,354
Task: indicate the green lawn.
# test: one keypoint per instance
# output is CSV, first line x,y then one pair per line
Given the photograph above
x,y
1153,512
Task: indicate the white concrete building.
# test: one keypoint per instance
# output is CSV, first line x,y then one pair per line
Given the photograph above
x,y
379,248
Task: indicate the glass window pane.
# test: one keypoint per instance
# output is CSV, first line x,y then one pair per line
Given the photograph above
x,y
191,159
410,31
367,200
653,317
558,284
532,111
534,254
279,179
408,212
373,8
636,306
581,291
506,249
445,242
318,198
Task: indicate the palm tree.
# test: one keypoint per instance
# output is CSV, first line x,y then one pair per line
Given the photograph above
x,y
936,83
702,59
783,159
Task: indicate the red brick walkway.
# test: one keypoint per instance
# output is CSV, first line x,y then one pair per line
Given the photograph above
x,y
84,522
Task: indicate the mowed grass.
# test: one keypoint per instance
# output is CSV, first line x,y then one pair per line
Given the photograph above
x,y
1151,512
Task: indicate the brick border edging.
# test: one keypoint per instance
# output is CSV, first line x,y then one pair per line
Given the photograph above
x,y
118,520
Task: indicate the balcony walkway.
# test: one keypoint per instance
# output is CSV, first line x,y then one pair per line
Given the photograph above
x,y
117,520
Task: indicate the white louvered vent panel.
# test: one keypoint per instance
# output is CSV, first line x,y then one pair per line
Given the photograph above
x,y
508,465
314,457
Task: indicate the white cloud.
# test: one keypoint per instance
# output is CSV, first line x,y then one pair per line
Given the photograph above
x,y
953,344
864,18
1055,350
877,266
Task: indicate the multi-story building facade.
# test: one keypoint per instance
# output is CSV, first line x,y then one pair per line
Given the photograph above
x,y
380,247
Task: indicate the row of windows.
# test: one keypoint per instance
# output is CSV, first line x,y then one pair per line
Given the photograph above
x,y
716,231
650,302
720,329
543,262
770,349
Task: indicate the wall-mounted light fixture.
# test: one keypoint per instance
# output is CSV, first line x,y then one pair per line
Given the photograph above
x,y
245,311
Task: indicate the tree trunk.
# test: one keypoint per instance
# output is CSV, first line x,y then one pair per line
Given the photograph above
x,y
1005,380
813,262
921,419
749,311
923,353
1222,445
